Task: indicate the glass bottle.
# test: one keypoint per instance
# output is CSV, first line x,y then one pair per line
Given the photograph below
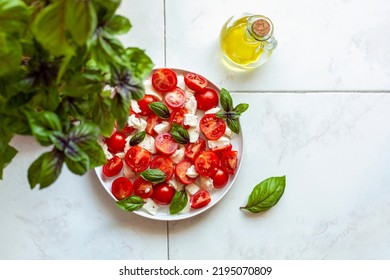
x,y
247,41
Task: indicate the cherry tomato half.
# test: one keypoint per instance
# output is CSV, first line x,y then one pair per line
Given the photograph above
x,y
222,149
195,82
144,104
163,193
200,199
181,170
207,99
229,162
175,99
163,163
206,164
121,188
116,143
193,150
220,179
177,116
137,158
143,188
164,80
212,126
165,144
113,166
151,121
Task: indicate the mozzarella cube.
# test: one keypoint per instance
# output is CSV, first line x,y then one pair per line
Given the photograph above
x,y
191,120
191,105
127,172
150,90
121,155
206,183
228,132
213,111
106,152
134,121
176,184
135,106
143,125
221,142
194,133
192,189
150,206
162,127
148,144
191,172
180,82
178,155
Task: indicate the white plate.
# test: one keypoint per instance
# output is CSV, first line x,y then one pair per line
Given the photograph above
x,y
216,194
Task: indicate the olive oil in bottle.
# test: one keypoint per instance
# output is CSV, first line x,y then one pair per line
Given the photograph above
x,y
247,41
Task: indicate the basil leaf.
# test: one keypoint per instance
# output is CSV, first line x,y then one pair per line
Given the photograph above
x,y
14,16
180,134
43,124
160,109
131,203
241,108
153,175
7,152
10,54
139,63
226,100
228,115
118,25
266,194
234,125
137,138
179,202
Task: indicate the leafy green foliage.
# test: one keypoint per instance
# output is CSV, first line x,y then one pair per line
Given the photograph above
x,y
65,78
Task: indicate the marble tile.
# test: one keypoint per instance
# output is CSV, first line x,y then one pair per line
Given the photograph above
x,y
328,45
334,150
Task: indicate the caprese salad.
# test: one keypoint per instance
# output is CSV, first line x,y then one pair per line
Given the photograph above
x,y
176,146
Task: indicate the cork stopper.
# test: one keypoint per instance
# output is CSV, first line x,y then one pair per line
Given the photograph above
x,y
261,27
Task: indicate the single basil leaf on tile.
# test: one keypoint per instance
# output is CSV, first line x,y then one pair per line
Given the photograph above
x,y
153,175
131,203
178,203
266,194
226,100
137,138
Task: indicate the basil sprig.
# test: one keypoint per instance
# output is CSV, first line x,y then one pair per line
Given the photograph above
x,y
178,203
131,203
230,113
153,175
180,134
137,138
160,109
266,194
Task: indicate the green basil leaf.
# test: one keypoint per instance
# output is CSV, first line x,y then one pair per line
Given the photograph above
x,y
95,154
160,109
46,169
43,124
131,203
178,203
118,25
241,108
14,16
84,133
83,84
7,152
226,100
139,63
80,20
137,138
234,125
79,163
10,54
180,134
102,114
153,175
228,115
266,194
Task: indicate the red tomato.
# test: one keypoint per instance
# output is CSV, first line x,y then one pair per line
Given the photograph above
x,y
229,162
164,80
222,149
165,144
137,158
181,170
121,188
200,199
195,82
151,121
206,164
212,126
144,104
143,188
177,116
113,166
220,179
207,99
163,193
163,163
175,99
116,143
193,150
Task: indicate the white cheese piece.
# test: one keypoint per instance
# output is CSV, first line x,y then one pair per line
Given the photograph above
x,y
106,152
143,125
213,111
135,106
150,206
128,172
206,183
194,133
178,155
148,144
180,82
150,90
191,120
191,105
121,155
133,121
228,132
162,127
220,142
192,189
176,184
191,172
187,208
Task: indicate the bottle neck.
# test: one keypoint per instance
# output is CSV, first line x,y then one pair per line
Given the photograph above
x,y
259,27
